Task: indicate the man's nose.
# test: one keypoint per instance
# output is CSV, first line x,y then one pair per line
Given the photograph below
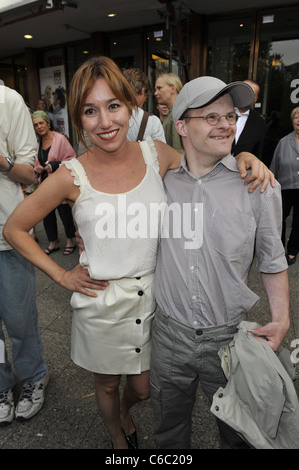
x,y
223,121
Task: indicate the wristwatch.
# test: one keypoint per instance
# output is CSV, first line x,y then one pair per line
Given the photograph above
x,y
11,164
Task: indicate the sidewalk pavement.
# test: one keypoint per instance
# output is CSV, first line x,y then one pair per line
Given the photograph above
x,y
70,418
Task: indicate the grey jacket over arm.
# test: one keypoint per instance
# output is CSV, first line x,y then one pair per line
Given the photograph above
x,y
259,401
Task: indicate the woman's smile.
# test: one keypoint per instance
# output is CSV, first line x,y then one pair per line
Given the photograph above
x,y
108,135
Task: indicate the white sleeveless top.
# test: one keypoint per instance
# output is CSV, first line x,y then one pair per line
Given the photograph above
x,y
120,231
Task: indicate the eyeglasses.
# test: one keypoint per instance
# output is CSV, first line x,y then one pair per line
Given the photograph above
x,y
214,118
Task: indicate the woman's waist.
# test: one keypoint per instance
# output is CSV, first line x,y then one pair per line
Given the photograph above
x,y
119,274
138,291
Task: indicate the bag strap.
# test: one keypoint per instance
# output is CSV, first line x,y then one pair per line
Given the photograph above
x,y
142,127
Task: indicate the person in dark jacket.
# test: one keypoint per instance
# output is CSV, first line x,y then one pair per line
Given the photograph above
x,y
251,127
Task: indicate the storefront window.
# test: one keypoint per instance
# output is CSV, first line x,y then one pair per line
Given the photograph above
x,y
162,57
162,52
229,43
52,57
7,72
278,73
13,73
21,83
76,55
125,50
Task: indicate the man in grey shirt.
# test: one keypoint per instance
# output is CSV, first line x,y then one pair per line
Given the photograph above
x,y
212,230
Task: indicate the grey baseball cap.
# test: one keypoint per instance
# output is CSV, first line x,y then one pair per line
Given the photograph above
x,y
203,90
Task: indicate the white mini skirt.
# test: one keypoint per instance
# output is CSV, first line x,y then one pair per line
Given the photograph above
x,y
111,334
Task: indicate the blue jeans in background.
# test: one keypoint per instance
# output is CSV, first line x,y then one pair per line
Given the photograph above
x,y
18,313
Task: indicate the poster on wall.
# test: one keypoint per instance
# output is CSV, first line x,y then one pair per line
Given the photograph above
x,y
53,90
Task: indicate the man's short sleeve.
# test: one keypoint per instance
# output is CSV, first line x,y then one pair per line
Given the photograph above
x,y
20,142
270,254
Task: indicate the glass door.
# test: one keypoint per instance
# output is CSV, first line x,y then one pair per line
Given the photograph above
x,y
229,48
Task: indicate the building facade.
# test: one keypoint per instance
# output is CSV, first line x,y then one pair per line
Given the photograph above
x,y
258,44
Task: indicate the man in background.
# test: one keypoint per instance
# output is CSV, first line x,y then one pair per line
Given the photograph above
x,y
251,127
18,310
142,123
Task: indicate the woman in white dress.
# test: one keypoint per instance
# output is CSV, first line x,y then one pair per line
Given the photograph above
x,y
116,192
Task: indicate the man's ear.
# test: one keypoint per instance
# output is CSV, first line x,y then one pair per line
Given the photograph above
x,y
181,128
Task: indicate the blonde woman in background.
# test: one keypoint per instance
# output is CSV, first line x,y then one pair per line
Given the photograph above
x,y
168,86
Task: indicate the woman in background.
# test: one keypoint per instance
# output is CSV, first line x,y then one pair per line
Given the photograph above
x,y
53,148
285,166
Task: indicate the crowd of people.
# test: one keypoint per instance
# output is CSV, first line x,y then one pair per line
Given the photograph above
x,y
147,303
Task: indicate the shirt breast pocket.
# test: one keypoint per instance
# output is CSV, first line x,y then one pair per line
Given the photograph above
x,y
232,233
